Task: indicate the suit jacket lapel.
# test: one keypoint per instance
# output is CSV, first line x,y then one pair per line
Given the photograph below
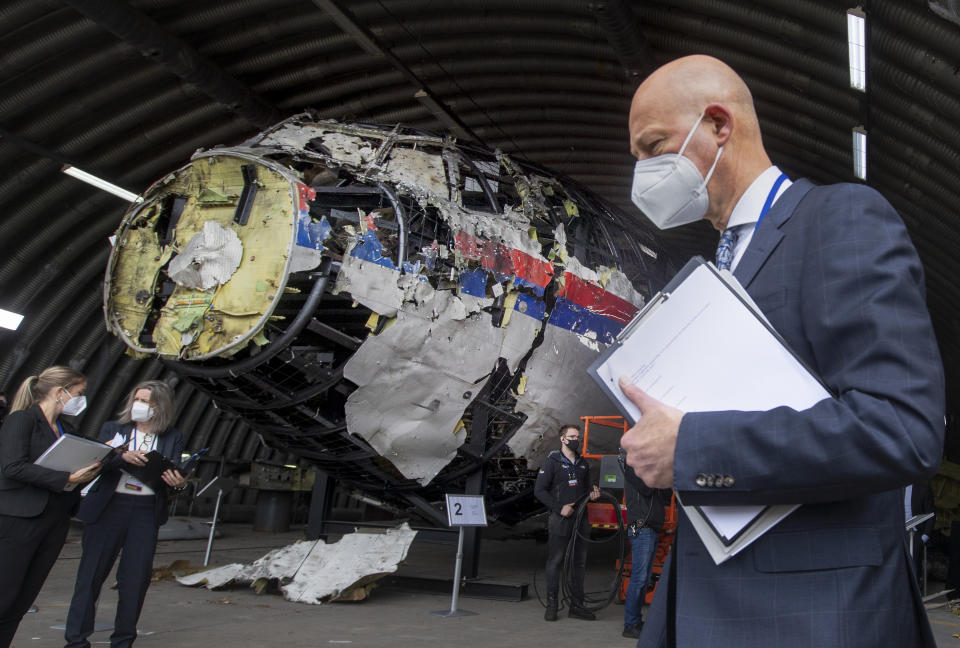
x,y
767,237
44,424
165,446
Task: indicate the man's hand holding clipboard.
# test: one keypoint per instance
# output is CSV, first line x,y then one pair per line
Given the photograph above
x,y
650,444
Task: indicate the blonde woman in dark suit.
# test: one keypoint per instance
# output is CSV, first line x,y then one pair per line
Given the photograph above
x,y
35,507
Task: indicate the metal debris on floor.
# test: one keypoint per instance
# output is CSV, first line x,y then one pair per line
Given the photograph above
x,y
315,572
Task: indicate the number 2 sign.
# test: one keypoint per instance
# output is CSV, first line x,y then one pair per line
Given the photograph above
x,y
466,510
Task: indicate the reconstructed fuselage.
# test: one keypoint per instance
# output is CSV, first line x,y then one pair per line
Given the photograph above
x,y
398,309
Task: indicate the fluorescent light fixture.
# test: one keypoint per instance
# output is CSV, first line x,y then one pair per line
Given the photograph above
x,y
10,320
857,43
100,183
860,152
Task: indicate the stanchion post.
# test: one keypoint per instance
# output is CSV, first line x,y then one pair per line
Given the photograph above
x,y
213,528
455,599
462,511
223,485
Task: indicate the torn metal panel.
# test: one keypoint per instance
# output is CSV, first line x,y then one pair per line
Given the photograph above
x,y
525,269
353,150
418,169
315,572
370,284
418,376
610,279
510,229
557,391
311,234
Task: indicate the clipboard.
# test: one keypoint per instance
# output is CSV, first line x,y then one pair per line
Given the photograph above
x,y
150,472
672,350
70,453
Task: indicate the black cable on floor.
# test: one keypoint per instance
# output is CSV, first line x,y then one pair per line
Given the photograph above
x,y
592,601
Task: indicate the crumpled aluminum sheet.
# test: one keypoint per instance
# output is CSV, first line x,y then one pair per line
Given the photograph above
x,y
315,572
209,259
416,378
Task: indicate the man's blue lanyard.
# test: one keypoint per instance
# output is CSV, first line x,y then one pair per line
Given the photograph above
x,y
770,197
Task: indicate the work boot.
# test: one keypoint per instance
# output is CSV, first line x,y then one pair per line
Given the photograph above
x,y
632,631
551,613
577,611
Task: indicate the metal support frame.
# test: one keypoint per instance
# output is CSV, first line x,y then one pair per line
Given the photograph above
x,y
476,485
321,505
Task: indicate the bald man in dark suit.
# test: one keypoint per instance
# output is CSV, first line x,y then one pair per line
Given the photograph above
x,y
835,272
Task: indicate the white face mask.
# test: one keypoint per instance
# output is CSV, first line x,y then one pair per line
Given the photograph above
x,y
141,411
669,189
74,405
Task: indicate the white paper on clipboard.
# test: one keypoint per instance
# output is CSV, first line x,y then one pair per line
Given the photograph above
x,y
703,345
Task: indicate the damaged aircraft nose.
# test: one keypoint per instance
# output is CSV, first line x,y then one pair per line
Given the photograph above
x,y
370,299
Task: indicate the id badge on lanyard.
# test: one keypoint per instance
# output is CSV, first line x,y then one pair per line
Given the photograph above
x,y
571,474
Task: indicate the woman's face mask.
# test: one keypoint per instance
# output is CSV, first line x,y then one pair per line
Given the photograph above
x,y
141,411
74,405
669,189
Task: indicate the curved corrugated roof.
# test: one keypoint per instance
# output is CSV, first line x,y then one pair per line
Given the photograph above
x,y
128,90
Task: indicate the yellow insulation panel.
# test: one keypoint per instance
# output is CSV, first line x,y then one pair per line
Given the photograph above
x,y
195,322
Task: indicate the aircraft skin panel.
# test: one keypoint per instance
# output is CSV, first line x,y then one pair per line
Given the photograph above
x,y
557,391
416,378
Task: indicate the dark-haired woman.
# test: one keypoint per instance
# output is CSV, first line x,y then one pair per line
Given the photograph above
x,y
35,502
123,515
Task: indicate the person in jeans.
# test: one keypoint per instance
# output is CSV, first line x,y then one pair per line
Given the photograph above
x,y
645,515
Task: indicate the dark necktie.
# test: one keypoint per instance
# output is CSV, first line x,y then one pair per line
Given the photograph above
x,y
728,242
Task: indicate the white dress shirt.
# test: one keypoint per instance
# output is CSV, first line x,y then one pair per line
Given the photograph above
x,y
747,209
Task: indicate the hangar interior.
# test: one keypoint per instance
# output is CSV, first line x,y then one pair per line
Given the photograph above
x,y
524,102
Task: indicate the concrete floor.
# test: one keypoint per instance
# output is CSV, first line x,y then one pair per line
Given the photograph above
x,y
175,615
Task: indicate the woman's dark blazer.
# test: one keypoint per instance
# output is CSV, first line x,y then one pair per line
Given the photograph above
x,y
170,445
25,488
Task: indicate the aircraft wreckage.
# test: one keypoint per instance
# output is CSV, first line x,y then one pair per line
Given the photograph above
x,y
398,309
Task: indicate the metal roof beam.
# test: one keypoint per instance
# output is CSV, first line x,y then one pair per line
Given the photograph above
x,y
623,31
370,44
156,43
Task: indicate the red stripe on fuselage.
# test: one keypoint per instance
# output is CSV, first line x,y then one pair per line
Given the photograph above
x,y
497,257
596,299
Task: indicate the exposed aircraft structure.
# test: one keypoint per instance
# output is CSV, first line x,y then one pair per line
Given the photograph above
x,y
396,308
